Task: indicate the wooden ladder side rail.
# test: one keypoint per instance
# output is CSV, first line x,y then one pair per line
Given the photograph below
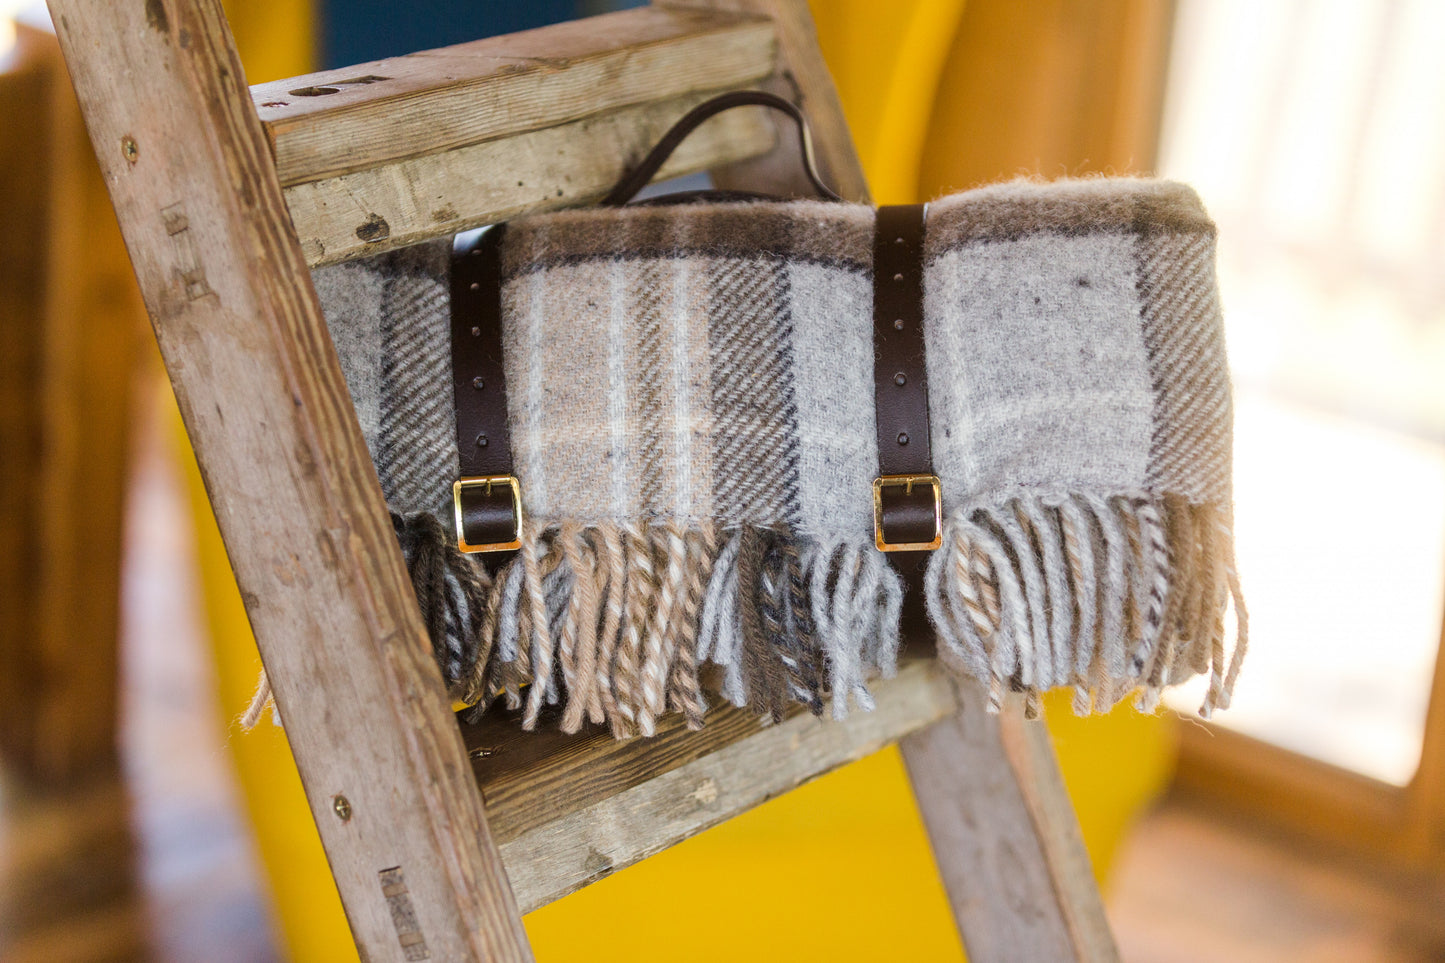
x,y
239,326
1005,836
222,271
225,281
1018,877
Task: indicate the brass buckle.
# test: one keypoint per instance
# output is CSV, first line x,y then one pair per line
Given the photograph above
x,y
906,482
487,481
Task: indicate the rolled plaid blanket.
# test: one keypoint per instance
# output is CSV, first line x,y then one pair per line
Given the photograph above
x,y
691,407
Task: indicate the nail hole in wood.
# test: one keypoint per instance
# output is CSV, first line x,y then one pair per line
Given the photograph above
x,y
334,87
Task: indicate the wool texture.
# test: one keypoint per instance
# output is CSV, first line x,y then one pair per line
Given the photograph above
x,y
690,397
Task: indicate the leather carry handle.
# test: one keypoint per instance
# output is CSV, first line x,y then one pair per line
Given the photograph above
x,y
643,174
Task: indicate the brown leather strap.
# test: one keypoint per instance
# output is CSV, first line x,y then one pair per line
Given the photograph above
x,y
906,496
488,509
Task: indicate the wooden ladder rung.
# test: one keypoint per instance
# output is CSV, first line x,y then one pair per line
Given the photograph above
x,y
570,810
389,153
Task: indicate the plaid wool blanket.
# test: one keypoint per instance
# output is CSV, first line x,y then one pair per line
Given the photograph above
x,y
692,415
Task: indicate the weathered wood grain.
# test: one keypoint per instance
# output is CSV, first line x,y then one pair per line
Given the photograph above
x,y
609,804
386,772
1030,754
414,199
1004,836
532,778
229,294
438,100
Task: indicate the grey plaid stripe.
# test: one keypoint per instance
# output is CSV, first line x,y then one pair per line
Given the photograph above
x,y
754,455
416,405
559,386
832,347
1183,333
1038,378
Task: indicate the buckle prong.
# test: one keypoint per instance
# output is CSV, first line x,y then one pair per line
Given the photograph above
x,y
906,482
486,482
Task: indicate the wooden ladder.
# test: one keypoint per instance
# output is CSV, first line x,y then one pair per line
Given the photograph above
x,y
227,196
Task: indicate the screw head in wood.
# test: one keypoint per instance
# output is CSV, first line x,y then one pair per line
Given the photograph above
x,y
341,806
130,148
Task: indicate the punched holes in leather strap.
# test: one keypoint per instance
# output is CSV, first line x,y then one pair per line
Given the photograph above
x,y
487,498
907,497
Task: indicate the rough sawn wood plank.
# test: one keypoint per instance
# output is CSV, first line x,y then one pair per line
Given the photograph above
x,y
230,297
402,108
605,804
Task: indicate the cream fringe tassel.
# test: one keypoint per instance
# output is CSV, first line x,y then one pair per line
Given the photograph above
x,y
617,622
1108,596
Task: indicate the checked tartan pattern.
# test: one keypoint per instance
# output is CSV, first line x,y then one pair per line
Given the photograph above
x,y
699,378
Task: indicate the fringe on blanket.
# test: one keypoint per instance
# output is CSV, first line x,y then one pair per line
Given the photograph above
x,y
616,622
1109,596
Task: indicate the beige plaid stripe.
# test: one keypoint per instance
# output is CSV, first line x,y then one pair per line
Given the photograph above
x,y
561,424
